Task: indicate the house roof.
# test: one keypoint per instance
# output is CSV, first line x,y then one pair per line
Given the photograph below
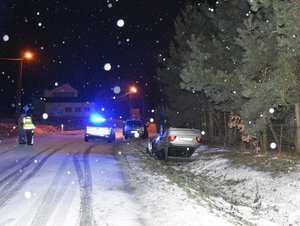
x,y
64,88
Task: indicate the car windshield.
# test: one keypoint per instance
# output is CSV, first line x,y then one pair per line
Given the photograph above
x,y
134,123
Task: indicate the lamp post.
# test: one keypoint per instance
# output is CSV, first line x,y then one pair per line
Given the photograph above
x,y
132,89
28,56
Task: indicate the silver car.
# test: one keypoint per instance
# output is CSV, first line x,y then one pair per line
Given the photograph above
x,y
175,142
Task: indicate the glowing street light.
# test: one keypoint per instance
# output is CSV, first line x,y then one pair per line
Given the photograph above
x,y
132,89
27,55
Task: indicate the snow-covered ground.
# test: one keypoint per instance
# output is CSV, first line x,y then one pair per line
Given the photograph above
x,y
214,187
241,188
62,180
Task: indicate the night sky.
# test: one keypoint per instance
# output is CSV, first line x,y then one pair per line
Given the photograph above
x,y
72,41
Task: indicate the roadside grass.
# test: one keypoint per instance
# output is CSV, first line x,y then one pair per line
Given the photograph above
x,y
272,162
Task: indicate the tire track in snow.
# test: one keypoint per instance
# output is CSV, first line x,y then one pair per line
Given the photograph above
x,y
86,216
14,181
52,197
8,150
24,162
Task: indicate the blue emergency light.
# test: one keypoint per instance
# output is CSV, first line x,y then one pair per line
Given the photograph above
x,y
97,118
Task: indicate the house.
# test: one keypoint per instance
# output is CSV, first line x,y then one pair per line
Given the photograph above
x,y
63,101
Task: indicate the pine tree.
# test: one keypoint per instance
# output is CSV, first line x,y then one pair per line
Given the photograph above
x,y
209,65
211,70
288,14
184,107
287,73
256,73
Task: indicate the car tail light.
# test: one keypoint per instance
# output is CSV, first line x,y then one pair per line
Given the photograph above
x,y
199,139
171,138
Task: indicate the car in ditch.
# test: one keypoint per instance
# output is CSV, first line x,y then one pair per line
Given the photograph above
x,y
98,128
175,142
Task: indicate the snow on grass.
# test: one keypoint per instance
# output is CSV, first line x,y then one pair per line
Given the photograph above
x,y
251,189
163,201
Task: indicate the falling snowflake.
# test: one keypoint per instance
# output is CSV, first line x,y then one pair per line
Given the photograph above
x,y
117,89
5,38
120,23
45,116
273,145
107,67
27,195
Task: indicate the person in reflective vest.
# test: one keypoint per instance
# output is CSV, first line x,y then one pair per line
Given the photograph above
x,y
20,122
28,126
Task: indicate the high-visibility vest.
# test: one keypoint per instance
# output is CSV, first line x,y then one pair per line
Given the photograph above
x,y
28,123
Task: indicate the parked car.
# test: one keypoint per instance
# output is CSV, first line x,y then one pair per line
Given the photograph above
x,y
99,128
134,128
175,142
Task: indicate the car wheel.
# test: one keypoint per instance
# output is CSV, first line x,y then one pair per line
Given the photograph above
x,y
86,139
125,137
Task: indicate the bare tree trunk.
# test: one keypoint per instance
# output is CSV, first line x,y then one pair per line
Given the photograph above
x,y
211,125
225,130
263,141
297,111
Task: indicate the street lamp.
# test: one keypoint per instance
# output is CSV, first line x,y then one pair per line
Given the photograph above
x,y
132,89
25,56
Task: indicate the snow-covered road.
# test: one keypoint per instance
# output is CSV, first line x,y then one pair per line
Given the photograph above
x,y
61,180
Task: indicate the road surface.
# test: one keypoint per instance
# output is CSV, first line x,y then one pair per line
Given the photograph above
x,y
62,180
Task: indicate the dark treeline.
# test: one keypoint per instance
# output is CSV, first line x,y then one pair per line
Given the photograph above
x,y
234,72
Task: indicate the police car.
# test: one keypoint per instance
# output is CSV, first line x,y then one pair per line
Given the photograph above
x,y
98,128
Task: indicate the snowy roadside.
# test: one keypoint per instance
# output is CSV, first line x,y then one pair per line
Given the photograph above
x,y
10,130
215,185
266,184
162,200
